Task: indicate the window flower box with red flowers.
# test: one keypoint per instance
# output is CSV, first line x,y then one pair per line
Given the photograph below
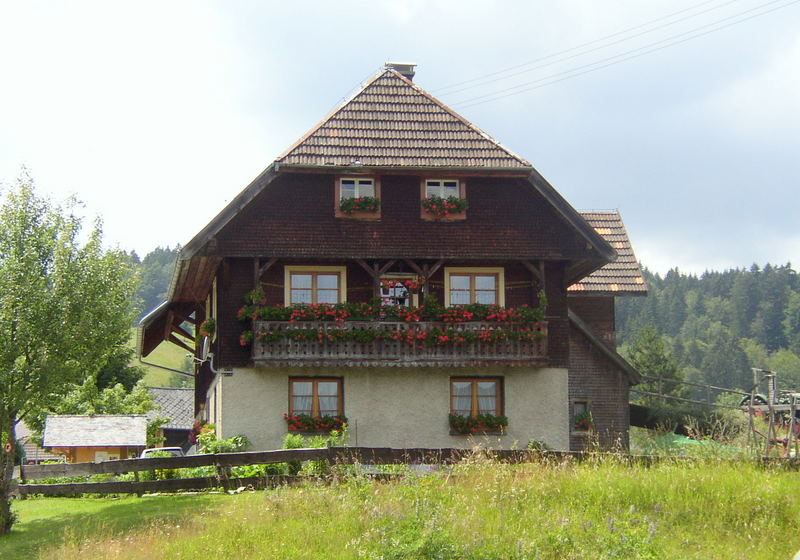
x,y
321,424
450,208
363,204
480,424
583,421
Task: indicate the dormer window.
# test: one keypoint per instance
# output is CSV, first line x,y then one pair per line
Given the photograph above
x,y
358,198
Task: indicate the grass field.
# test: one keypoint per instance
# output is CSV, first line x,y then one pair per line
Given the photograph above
x,y
602,510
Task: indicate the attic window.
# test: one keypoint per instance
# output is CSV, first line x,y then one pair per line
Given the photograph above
x,y
442,199
358,198
443,188
356,188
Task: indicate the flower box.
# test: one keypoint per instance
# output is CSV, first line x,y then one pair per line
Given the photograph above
x,y
364,208
583,422
476,425
307,423
445,209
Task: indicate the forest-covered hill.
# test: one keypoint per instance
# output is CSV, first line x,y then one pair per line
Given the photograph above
x,y
719,325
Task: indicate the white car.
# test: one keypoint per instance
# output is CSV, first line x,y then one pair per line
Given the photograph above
x,y
162,452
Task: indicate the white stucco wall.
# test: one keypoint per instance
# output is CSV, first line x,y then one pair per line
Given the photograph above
x,y
395,407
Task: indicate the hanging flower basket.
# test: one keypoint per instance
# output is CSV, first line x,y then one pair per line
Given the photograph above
x,y
208,327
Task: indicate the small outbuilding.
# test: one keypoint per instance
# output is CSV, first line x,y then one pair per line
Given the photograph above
x,y
86,438
177,404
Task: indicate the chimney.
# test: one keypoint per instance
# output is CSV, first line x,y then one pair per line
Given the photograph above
x,y
406,69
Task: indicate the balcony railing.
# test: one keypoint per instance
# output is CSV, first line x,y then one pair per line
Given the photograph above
x,y
397,344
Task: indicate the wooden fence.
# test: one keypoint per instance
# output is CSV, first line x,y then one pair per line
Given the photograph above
x,y
333,455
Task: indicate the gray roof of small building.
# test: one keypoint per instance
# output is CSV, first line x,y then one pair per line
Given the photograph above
x,y
175,403
33,451
95,431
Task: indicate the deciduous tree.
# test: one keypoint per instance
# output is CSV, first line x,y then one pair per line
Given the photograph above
x,y
64,309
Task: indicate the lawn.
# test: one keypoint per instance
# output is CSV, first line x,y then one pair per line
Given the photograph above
x,y
482,510
46,522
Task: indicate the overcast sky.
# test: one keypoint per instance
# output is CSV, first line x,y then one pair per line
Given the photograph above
x,y
683,115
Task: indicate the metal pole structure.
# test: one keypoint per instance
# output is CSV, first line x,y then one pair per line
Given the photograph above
x,y
752,440
771,432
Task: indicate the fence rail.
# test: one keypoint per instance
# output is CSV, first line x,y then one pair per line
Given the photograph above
x,y
334,455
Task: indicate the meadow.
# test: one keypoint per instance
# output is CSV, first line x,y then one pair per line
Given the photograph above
x,y
599,509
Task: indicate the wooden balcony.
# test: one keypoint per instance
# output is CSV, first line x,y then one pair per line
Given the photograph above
x,y
294,344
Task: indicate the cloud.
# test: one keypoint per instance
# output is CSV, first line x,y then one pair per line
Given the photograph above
x,y
763,103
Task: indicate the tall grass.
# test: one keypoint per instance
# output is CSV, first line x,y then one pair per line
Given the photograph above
x,y
599,509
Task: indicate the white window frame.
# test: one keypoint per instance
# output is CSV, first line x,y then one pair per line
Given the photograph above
x,y
498,271
367,181
440,187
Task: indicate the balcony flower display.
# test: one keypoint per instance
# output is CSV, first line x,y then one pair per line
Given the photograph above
x,y
438,326
482,423
308,423
368,204
439,207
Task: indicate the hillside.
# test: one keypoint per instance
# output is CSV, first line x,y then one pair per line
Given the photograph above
x,y
720,324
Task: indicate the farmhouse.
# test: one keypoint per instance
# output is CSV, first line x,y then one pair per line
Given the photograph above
x,y
400,270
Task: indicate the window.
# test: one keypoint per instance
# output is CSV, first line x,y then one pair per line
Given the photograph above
x,y
316,396
471,396
358,198
582,420
443,188
356,188
308,284
395,291
474,285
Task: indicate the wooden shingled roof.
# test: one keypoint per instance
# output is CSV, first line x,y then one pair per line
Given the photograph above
x,y
392,122
620,277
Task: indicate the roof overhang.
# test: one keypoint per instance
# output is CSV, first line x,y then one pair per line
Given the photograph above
x,y
595,243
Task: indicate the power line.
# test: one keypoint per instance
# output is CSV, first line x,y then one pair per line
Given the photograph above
x,y
634,53
489,78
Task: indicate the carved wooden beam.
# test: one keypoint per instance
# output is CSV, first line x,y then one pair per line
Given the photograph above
x,y
435,267
414,266
175,340
363,264
185,318
258,270
386,267
178,329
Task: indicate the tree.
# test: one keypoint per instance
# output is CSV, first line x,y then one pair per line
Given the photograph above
x,y
650,356
156,273
64,309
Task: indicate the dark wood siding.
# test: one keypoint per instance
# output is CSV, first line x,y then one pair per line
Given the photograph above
x,y
294,217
